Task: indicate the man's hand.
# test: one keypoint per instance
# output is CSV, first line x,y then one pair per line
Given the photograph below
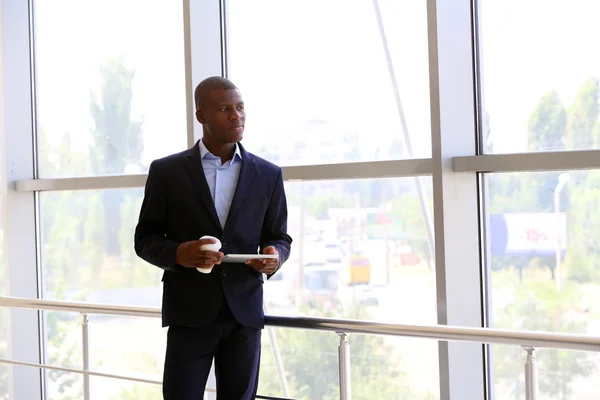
x,y
189,255
267,265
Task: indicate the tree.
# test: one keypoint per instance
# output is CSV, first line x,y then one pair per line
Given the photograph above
x,y
64,351
117,140
133,272
583,128
583,132
532,192
63,217
62,230
583,256
547,124
318,206
540,306
74,223
547,131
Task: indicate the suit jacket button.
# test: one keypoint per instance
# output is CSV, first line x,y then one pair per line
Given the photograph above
x,y
224,273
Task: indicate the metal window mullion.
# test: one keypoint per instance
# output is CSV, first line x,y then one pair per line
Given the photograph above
x,y
363,170
189,94
205,49
457,255
542,161
20,233
3,210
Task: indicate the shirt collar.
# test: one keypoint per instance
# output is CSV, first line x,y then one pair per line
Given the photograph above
x,y
205,152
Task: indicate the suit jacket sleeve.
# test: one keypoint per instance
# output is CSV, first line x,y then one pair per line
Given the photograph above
x,y
150,239
274,230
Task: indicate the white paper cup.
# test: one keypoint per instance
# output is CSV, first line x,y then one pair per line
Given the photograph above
x,y
209,247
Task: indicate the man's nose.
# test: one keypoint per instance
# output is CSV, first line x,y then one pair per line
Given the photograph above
x,y
235,115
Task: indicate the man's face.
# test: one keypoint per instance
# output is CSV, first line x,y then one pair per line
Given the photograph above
x,y
223,116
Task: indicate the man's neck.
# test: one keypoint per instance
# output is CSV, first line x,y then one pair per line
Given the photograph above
x,y
224,151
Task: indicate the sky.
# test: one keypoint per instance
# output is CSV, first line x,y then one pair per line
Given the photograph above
x,y
74,38
301,61
530,47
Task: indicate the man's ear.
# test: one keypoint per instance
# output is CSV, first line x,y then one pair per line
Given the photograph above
x,y
200,116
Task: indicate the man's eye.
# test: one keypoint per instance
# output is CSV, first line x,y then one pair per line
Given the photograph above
x,y
224,109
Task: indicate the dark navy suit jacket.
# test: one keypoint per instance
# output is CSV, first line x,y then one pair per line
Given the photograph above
x,y
178,207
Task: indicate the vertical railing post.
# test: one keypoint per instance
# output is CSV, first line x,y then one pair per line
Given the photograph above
x,y
85,336
531,375
344,365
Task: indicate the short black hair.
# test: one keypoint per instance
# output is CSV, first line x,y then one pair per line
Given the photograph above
x,y
208,85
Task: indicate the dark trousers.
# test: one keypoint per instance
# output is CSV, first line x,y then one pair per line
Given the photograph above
x,y
190,352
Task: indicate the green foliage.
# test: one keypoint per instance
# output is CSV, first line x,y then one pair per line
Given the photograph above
x,y
583,256
64,351
117,139
407,209
536,304
318,206
583,126
539,306
509,193
310,361
547,124
87,236
138,391
102,223
551,127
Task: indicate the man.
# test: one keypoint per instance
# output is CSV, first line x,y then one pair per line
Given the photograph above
x,y
218,189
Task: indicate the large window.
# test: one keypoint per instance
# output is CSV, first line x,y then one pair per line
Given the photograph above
x,y
382,367
95,229
360,248
545,248
361,251
88,255
540,76
117,345
320,83
340,87
384,90
110,85
111,97
541,93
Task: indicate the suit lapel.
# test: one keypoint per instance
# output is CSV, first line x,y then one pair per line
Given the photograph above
x,y
194,164
247,172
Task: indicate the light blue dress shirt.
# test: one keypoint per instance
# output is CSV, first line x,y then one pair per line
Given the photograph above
x,y
221,178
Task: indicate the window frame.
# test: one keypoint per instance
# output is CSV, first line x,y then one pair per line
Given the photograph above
x,y
456,166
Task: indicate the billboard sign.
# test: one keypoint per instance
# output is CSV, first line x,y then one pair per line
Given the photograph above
x,y
528,233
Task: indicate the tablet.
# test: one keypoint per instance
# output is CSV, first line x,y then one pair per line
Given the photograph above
x,y
241,258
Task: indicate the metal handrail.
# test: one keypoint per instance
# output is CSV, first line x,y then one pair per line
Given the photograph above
x,y
113,376
556,340
88,372
529,340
